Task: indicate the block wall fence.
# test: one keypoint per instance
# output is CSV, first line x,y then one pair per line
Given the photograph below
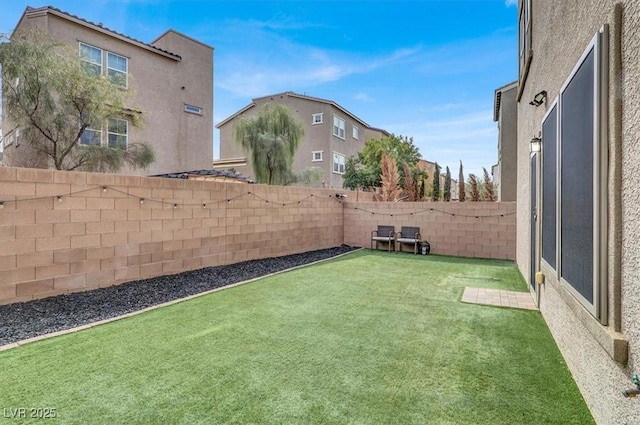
x,y
461,229
63,232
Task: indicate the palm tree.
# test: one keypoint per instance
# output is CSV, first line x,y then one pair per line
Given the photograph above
x,y
270,139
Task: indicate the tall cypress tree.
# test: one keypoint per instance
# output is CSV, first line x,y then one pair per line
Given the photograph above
x,y
447,186
461,185
435,194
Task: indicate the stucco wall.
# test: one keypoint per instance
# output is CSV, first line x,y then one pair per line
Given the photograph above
x,y
561,32
318,137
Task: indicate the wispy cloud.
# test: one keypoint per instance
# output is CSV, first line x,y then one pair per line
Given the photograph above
x,y
511,3
470,137
363,97
270,62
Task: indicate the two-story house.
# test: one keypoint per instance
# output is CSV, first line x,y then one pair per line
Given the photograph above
x,y
331,135
172,78
578,209
505,113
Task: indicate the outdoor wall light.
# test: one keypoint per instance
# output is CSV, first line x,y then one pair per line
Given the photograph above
x,y
539,98
536,144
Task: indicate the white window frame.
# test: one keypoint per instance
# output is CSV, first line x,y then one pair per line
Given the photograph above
x,y
355,132
86,59
599,46
341,163
91,130
125,134
116,71
103,132
191,109
105,67
317,118
9,138
316,156
338,127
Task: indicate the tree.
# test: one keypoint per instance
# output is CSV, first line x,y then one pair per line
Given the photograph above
x,y
55,102
390,189
461,186
488,192
309,176
435,194
447,186
410,184
357,176
474,192
365,170
270,139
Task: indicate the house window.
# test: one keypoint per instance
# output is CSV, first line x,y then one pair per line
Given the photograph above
x,y
193,109
549,185
524,39
91,136
91,59
117,130
355,132
338,163
317,156
117,65
117,68
574,206
316,119
338,127
8,139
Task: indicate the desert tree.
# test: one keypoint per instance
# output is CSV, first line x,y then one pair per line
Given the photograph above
x,y
474,192
270,139
411,188
461,185
447,186
390,189
488,191
364,169
61,107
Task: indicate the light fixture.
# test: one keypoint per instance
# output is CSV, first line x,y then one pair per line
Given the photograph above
x,y
539,98
535,145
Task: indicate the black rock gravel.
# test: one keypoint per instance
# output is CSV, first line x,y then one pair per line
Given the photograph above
x,y
24,320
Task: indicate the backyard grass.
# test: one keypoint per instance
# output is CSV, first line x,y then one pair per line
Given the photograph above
x,y
369,338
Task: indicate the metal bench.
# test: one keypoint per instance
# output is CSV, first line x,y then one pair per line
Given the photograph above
x,y
408,235
383,234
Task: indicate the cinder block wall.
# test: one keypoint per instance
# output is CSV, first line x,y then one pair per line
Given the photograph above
x,y
64,232
92,237
464,229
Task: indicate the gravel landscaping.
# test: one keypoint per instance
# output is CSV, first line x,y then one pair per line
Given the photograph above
x,y
33,318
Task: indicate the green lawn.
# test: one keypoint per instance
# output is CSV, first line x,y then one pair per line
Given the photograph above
x,y
369,338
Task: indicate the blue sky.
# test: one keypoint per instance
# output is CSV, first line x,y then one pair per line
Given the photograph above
x,y
426,69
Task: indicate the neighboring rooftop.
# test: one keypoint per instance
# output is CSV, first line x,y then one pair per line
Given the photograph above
x,y
301,96
98,27
216,175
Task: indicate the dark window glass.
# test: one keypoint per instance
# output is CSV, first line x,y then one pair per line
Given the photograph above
x,y
577,135
549,181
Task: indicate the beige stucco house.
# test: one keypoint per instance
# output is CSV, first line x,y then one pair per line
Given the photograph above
x,y
578,198
505,113
172,78
331,135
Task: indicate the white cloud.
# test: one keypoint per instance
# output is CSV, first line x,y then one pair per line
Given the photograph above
x,y
363,97
511,3
470,137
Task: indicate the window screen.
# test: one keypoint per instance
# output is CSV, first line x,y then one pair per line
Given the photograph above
x,y
577,135
549,167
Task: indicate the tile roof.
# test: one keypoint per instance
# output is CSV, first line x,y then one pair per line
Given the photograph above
x,y
301,96
59,12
